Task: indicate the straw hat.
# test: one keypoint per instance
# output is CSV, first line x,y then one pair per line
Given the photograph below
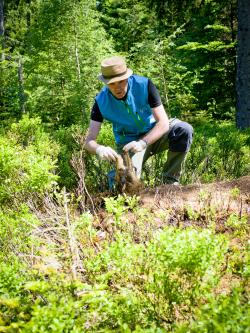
x,y
114,69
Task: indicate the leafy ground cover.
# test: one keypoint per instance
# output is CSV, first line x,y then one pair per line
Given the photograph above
x,y
170,259
133,267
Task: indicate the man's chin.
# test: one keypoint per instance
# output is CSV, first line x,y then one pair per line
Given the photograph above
x,y
119,95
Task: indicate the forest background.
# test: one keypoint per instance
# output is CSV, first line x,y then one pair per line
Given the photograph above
x,y
50,59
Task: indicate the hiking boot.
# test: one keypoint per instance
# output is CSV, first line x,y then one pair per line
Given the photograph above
x,y
176,184
170,181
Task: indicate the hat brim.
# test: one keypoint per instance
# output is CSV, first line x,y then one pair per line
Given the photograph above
x,y
116,78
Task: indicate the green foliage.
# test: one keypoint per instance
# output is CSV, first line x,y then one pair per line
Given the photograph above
x,y
54,306
236,222
132,287
187,263
15,233
12,94
27,161
175,269
97,169
226,313
8,92
60,92
133,279
218,152
156,285
127,22
15,303
118,206
65,89
34,306
68,146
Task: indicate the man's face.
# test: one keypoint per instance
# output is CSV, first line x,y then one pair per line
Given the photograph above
x,y
119,88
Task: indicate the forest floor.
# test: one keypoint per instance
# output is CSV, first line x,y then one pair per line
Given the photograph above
x,y
115,250
221,206
229,195
198,204
225,205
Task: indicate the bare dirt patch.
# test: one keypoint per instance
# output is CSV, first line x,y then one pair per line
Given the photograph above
x,y
219,194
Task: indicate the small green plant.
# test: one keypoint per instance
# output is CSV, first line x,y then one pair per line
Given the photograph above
x,y
115,206
235,193
118,206
204,195
131,202
191,213
237,222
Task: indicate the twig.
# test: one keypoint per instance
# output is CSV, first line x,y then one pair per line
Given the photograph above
x,y
76,262
77,162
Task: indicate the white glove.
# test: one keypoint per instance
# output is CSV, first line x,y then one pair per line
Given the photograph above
x,y
135,146
106,153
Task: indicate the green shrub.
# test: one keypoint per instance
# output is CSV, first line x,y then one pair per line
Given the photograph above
x,y
129,288
29,303
219,152
172,273
14,302
27,161
223,314
16,233
64,137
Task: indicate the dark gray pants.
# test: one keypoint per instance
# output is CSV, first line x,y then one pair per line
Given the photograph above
x,y
177,141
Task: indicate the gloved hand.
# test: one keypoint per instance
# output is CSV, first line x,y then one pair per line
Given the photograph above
x,y
135,146
106,153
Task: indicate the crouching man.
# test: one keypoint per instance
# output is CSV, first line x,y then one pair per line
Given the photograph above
x,y
140,124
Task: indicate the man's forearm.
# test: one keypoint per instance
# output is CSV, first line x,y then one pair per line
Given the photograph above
x,y
156,132
91,146
90,143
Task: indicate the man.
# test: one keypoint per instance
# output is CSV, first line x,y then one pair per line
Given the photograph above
x,y
140,124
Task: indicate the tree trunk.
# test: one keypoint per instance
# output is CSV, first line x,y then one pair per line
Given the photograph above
x,y
21,86
1,18
78,67
243,66
2,28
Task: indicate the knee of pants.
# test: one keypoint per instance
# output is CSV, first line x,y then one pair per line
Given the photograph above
x,y
180,137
